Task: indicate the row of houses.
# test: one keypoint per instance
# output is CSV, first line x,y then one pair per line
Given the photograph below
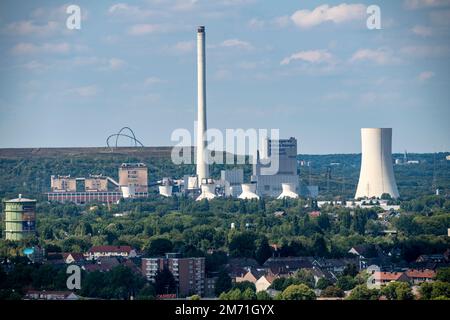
x,y
412,276
189,273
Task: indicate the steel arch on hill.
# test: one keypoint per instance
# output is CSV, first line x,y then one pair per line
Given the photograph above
x,y
131,135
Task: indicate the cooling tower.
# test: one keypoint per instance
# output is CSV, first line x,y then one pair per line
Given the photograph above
x,y
288,191
165,190
248,191
202,166
208,192
377,173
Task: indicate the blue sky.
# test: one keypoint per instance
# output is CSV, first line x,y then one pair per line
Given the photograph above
x,y
310,68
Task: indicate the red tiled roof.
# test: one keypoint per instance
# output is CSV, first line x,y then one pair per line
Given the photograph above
x,y
387,276
110,249
426,273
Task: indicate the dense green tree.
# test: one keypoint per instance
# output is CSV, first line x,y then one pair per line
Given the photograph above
x,y
361,292
158,247
397,291
443,275
244,285
323,283
298,292
223,282
346,283
263,251
165,282
243,245
263,295
434,290
306,277
248,294
332,291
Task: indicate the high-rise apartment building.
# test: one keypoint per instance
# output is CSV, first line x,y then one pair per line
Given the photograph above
x,y
189,273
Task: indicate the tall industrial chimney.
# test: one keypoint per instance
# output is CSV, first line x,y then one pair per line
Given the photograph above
x,y
377,173
202,166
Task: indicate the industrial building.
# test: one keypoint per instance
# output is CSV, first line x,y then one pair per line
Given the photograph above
x,y
232,180
96,183
20,218
377,174
285,152
133,183
134,176
189,273
63,184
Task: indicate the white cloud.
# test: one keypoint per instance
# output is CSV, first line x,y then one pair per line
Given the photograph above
x,y
183,47
379,56
277,22
256,23
115,63
143,29
127,11
86,91
35,65
185,5
29,27
324,13
422,31
417,4
29,48
426,75
152,81
236,43
313,56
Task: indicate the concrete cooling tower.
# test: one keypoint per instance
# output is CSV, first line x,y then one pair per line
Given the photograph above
x,y
377,173
248,191
288,191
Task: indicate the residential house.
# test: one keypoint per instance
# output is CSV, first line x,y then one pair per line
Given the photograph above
x,y
419,276
102,264
237,267
287,265
379,278
252,275
110,251
264,282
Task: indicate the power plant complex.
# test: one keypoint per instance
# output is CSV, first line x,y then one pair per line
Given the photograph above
x,y
376,176
375,181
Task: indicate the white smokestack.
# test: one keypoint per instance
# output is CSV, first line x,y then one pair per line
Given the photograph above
x,y
202,167
377,173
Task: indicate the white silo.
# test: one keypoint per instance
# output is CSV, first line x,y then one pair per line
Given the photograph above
x,y
208,192
248,191
288,191
377,173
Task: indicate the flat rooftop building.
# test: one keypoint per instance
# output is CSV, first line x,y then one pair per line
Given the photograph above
x,y
285,152
135,176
